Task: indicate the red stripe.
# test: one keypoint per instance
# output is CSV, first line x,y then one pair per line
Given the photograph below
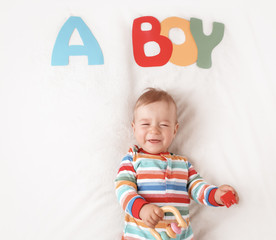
x,y
168,200
192,172
162,175
136,207
211,198
173,198
126,168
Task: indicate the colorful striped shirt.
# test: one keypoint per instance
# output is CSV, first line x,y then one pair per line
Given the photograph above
x,y
163,179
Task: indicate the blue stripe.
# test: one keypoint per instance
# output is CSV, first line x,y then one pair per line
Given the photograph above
x,y
128,158
177,187
161,187
148,187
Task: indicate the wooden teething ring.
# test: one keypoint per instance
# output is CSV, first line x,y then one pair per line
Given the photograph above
x,y
181,223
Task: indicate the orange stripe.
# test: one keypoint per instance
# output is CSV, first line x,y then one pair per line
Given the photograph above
x,y
139,155
127,199
161,224
191,187
120,183
151,176
179,176
177,158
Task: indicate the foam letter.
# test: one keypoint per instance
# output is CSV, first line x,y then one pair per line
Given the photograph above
x,y
186,53
140,37
206,44
90,47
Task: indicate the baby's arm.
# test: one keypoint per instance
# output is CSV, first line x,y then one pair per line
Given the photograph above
x,y
151,215
198,189
130,200
204,193
126,188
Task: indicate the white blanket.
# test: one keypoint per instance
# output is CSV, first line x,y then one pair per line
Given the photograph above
x,y
64,129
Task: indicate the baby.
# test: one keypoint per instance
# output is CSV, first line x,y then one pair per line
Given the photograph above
x,y
150,177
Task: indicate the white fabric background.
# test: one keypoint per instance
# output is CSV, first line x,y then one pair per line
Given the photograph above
x,y
64,130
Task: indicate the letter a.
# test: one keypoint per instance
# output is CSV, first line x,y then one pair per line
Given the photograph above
x,y
206,44
139,38
90,47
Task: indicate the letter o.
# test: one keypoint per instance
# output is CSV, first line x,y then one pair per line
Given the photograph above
x,y
186,53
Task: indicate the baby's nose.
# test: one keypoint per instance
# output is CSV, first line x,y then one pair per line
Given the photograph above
x,y
155,129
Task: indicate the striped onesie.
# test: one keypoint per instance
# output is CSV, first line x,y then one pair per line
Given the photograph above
x,y
161,179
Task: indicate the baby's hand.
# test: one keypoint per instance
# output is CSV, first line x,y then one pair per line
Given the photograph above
x,y
151,215
222,190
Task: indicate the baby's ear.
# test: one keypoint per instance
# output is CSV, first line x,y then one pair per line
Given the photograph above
x,y
176,128
133,126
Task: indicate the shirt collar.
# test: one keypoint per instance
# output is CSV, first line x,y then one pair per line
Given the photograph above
x,y
157,154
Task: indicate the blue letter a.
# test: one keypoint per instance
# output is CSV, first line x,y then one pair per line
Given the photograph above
x,y
90,47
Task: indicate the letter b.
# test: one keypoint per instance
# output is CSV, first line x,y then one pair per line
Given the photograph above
x,y
140,37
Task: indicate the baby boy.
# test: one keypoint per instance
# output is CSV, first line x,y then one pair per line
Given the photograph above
x,y
150,177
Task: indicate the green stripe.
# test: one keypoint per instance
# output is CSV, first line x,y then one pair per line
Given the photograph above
x,y
139,232
183,211
126,177
121,190
148,163
178,164
185,234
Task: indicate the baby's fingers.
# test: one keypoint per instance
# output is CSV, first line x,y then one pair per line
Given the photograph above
x,y
226,188
155,217
159,212
150,223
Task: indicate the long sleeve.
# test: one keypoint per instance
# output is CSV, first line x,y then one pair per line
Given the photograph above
x,y
126,187
199,190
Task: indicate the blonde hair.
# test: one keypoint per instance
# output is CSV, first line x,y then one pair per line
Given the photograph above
x,y
154,95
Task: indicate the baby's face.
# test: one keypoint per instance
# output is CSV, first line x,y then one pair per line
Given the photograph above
x,y
155,126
